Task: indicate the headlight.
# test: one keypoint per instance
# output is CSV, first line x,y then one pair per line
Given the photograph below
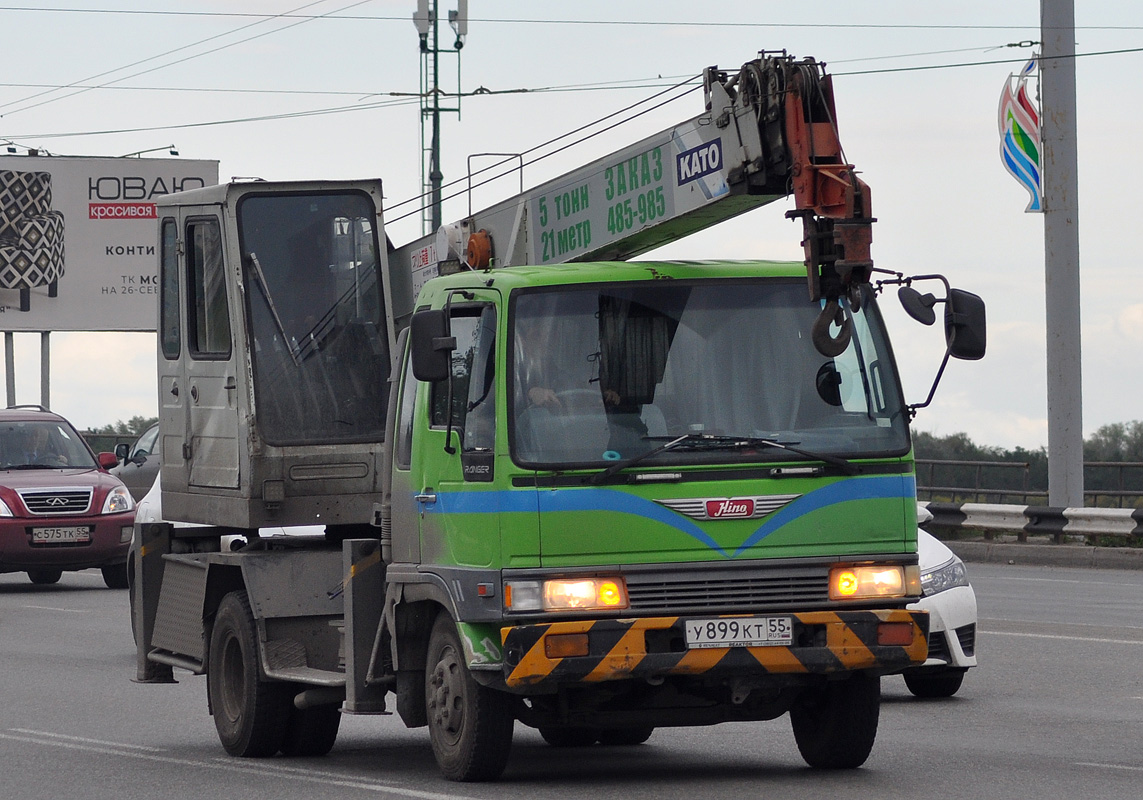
x,y
872,581
4,510
944,577
566,594
118,500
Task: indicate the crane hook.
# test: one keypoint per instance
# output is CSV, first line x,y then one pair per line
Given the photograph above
x,y
830,346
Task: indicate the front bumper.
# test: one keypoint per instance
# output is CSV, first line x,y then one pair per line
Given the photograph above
x,y
952,627
823,642
17,553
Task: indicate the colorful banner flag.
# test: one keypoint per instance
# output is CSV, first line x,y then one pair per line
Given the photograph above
x,y
1020,135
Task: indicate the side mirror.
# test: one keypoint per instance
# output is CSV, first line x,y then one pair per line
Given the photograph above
x,y
918,306
109,460
965,328
122,451
431,345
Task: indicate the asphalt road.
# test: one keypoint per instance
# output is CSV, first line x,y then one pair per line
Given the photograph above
x,y
1054,711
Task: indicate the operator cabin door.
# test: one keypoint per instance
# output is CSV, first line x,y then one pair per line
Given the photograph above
x,y
198,391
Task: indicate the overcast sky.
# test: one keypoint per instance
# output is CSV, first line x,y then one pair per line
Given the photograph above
x,y
925,140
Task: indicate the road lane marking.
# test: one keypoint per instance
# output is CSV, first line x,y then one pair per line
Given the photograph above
x,y
1126,767
53,608
101,742
228,765
1007,579
1065,638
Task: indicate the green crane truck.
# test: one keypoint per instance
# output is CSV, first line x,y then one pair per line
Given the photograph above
x,y
549,485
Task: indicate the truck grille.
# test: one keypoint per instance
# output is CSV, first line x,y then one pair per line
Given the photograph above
x,y
57,502
753,590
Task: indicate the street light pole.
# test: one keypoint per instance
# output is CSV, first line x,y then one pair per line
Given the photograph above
x,y
1061,253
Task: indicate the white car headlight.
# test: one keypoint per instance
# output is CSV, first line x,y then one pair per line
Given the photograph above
x,y
946,576
118,500
4,510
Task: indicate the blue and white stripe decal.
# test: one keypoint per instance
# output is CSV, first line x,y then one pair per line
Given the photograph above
x,y
892,487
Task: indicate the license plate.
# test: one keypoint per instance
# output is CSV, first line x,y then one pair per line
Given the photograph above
x,y
75,535
739,632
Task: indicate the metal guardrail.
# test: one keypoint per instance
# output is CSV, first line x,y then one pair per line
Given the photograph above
x,y
1109,482
1058,523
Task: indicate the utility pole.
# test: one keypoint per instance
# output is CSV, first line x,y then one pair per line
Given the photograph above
x,y
426,21
1061,253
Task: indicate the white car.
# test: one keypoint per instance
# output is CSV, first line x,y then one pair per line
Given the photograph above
x,y
951,603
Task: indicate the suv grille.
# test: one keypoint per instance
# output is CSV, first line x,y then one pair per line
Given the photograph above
x,y
754,589
57,502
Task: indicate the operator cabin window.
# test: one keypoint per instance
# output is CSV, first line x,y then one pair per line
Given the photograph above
x,y
209,318
169,299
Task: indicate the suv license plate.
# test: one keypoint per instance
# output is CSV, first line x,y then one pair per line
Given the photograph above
x,y
76,535
739,632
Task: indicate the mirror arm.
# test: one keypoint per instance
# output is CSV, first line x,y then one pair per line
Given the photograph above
x,y
913,407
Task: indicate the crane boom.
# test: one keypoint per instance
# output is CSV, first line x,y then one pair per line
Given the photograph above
x,y
769,130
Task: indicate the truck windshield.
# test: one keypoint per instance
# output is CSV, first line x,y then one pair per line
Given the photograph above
x,y
316,316
608,373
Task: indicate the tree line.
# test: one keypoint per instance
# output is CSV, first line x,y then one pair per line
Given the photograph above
x,y
1118,443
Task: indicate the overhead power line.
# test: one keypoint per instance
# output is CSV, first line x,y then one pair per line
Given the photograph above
x,y
171,52
645,23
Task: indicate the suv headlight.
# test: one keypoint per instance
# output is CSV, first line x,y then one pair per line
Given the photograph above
x,y
118,500
946,576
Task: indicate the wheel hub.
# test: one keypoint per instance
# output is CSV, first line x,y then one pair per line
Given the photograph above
x,y
446,695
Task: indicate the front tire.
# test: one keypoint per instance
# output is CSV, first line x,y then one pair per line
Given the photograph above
x,y
115,576
470,726
312,731
45,577
249,713
570,737
624,737
835,725
942,683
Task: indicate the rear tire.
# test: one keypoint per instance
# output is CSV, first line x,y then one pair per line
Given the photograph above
x,y
311,732
470,726
625,737
942,683
570,737
45,577
250,714
835,725
115,576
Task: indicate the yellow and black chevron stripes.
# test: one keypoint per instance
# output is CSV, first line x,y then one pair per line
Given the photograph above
x,y
823,642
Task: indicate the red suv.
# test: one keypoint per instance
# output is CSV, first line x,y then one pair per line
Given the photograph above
x,y
59,507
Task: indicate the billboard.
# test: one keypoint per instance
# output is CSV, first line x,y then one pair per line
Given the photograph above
x,y
78,239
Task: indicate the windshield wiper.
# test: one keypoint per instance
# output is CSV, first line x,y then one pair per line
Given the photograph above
x,y
600,477
713,442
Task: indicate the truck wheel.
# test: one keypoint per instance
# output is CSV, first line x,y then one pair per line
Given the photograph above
x,y
624,737
943,683
249,713
44,577
570,737
835,725
311,732
115,576
470,725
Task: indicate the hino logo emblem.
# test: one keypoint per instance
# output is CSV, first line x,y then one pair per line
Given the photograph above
x,y
56,501
718,508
